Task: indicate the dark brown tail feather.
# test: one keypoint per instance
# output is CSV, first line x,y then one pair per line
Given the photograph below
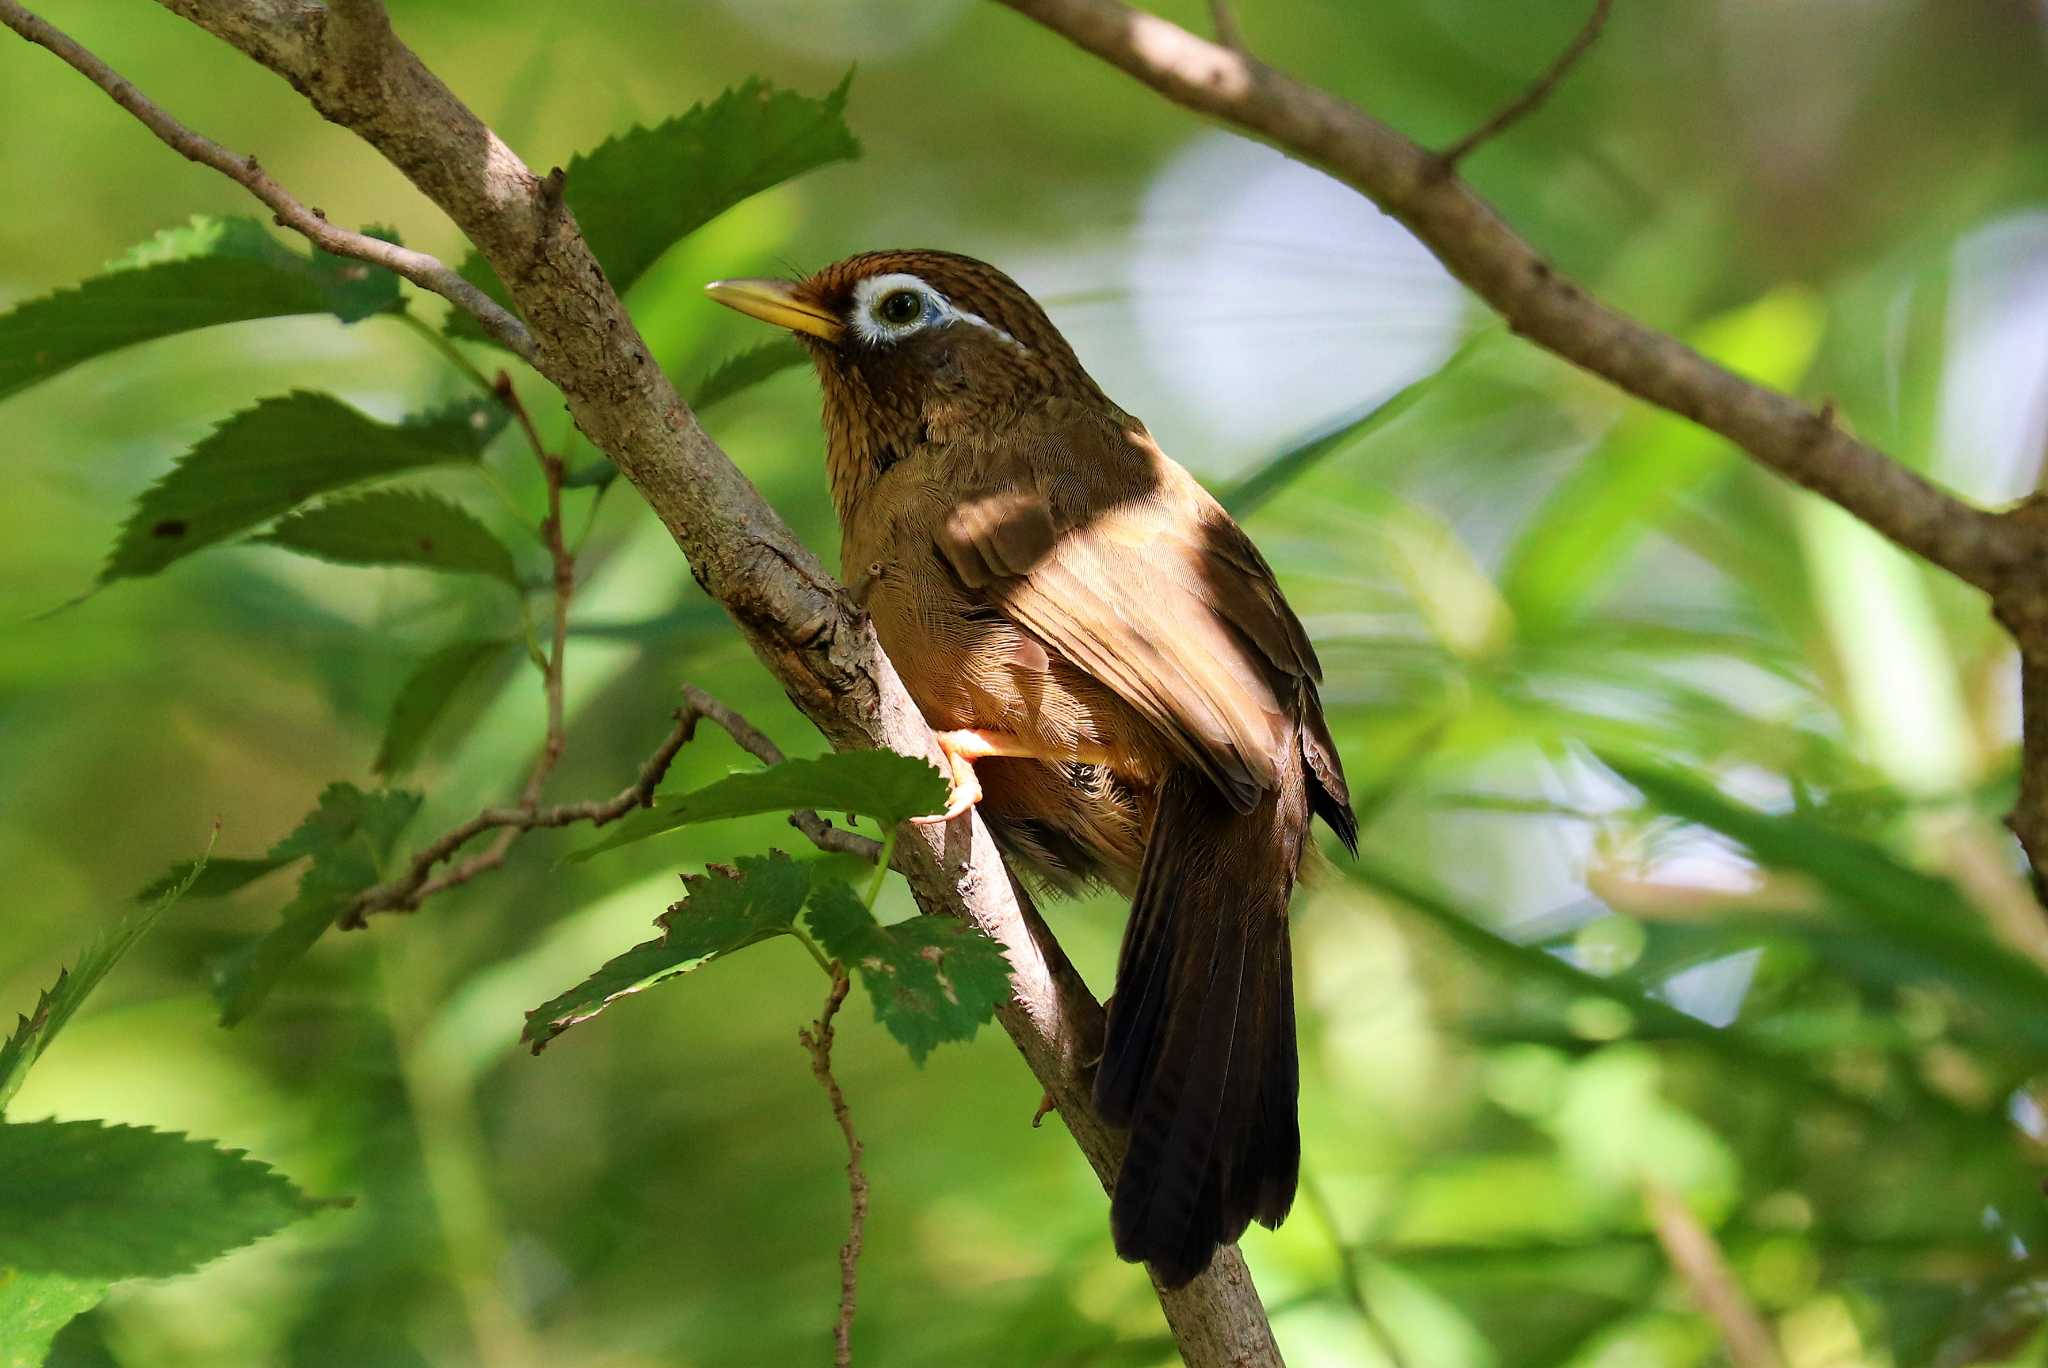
x,y
1199,1061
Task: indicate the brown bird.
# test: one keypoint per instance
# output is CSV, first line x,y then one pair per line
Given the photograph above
x,y
1116,681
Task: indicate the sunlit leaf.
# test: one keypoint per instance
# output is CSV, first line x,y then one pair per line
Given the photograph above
x,y
705,161
931,979
1246,496
425,696
212,271
35,1306
396,527
86,1199
267,460
879,784
55,1006
1602,510
723,910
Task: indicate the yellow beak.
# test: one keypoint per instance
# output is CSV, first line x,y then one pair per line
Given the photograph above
x,y
775,302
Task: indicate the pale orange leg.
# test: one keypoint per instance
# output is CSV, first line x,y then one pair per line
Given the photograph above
x,y
962,748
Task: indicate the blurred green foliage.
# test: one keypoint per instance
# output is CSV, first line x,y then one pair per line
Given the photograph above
x,y
1681,788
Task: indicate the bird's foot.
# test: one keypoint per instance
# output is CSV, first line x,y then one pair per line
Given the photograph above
x,y
961,749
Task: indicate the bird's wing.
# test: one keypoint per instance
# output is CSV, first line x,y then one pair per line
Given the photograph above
x,y
1135,575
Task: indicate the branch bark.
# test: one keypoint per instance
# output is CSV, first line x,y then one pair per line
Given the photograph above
x,y
2003,553
350,65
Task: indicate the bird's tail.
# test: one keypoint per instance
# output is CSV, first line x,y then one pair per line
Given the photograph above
x,y
1199,1061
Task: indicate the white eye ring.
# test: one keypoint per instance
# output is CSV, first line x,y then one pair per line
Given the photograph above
x,y
873,295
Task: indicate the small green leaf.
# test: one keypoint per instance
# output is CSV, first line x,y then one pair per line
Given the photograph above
x,y
932,980
55,1007
396,527
85,1199
425,696
707,160
1920,922
34,1307
213,271
879,784
267,460
725,910
744,370
348,836
1249,494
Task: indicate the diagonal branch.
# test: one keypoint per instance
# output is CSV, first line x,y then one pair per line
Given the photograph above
x,y
1523,105
1410,183
2004,554
429,273
798,620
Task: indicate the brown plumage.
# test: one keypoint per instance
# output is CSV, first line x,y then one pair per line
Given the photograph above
x,y
1110,663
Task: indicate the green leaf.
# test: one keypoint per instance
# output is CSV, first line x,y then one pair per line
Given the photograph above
x,y
396,527
267,460
723,911
1248,494
55,1006
90,1200
1581,539
213,271
425,696
879,784
348,835
34,1307
932,979
1896,908
744,370
705,161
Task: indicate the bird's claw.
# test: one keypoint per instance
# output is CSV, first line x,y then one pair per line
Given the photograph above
x,y
963,792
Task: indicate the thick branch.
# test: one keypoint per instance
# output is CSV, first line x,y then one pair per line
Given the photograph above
x,y
427,272
797,619
1415,186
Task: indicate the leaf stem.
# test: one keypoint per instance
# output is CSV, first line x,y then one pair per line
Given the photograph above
x,y
449,351
881,867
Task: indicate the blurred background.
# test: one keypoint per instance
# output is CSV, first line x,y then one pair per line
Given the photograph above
x,y
1515,573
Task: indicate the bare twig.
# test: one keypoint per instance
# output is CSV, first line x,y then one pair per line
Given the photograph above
x,y
425,271
1228,31
1523,105
1698,1261
419,883
817,1038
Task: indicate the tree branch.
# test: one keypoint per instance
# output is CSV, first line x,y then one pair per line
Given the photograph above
x,y
1538,91
2005,554
427,272
1410,183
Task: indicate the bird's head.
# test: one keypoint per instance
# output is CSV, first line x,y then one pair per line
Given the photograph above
x,y
913,347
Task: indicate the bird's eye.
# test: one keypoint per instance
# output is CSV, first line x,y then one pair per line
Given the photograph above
x,y
900,307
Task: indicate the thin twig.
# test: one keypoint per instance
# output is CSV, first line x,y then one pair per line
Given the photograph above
x,y
427,272
564,589
817,1038
1698,1261
1224,21
419,882
1525,104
